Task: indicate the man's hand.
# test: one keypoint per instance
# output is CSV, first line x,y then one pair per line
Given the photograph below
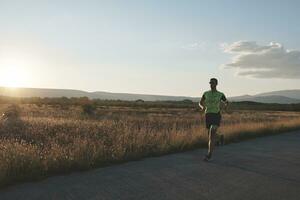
x,y
225,107
201,108
202,104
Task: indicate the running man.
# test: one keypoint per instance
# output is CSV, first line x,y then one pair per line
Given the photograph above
x,y
210,103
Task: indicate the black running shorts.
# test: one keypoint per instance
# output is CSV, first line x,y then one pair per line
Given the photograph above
x,y
212,119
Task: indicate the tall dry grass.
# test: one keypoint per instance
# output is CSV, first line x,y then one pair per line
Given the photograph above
x,y
47,141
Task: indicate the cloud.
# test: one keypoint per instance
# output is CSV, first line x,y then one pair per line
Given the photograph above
x,y
258,61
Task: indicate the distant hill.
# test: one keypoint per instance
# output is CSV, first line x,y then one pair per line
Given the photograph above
x,y
133,97
266,99
282,97
41,92
294,94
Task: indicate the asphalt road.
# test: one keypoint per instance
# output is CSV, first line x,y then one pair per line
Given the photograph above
x,y
263,168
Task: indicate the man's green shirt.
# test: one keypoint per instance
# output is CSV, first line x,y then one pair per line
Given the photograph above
x,y
212,100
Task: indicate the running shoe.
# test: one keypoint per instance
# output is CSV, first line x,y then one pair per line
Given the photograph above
x,y
207,158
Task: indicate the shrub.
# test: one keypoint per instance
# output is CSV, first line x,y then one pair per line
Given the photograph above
x,y
12,111
88,109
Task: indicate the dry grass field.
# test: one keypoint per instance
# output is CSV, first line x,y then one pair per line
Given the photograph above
x,y
46,140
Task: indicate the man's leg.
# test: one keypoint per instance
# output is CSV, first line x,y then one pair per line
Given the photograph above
x,y
219,139
222,140
212,137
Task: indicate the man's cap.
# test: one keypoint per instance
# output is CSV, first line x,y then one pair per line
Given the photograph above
x,y
213,80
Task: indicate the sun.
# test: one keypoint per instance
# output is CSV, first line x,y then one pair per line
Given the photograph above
x,y
11,77
13,73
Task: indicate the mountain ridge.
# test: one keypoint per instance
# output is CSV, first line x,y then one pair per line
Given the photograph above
x,y
281,96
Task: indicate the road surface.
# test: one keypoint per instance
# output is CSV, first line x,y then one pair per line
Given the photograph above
x,y
263,168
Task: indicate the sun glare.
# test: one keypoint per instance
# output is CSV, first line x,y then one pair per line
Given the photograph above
x,y
13,73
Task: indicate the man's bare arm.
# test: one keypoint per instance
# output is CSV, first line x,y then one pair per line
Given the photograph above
x,y
201,103
226,103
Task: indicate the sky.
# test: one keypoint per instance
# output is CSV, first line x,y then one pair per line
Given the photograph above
x,y
160,47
